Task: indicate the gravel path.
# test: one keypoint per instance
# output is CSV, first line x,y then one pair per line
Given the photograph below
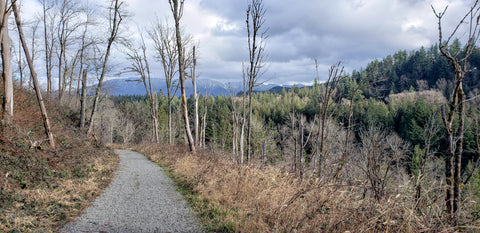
x,y
141,198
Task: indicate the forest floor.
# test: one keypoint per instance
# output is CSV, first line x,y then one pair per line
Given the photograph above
x,y
141,198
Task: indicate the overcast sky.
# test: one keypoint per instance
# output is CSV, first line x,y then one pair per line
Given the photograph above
x,y
354,32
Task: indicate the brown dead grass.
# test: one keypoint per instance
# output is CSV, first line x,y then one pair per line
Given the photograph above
x,y
45,187
244,198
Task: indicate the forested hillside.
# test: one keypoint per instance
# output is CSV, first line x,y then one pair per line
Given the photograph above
x,y
418,70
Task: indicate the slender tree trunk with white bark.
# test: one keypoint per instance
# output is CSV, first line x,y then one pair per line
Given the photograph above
x,y
195,97
6,46
177,11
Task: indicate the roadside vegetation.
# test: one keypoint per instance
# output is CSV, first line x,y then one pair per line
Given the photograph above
x,y
43,188
229,197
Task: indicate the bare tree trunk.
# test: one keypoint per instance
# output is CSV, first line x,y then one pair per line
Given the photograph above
x,y
48,49
456,106
46,121
34,50
60,76
457,169
82,76
20,64
154,115
335,75
249,126
83,100
449,159
234,127
294,137
242,131
256,38
170,141
6,44
264,151
116,20
195,97
204,119
177,11
302,159
70,72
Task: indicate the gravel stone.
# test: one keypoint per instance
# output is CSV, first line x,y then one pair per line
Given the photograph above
x,y
141,198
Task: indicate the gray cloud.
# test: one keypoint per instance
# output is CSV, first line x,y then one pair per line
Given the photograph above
x,y
352,31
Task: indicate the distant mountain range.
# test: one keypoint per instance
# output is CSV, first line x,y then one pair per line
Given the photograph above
x,y
131,86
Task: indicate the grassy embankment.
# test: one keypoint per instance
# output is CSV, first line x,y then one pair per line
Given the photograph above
x,y
237,198
43,188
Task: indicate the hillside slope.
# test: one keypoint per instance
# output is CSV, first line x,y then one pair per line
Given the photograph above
x,y
42,188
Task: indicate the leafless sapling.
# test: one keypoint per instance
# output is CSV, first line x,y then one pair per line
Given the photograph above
x,y
455,108
256,47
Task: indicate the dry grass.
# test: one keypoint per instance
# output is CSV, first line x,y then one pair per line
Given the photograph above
x,y
45,188
233,198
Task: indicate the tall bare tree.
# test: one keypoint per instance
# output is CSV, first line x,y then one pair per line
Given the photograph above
x,y
48,20
243,119
68,24
85,42
46,121
293,124
329,97
455,108
164,41
256,47
115,19
176,7
21,65
234,124
139,65
195,96
204,119
6,44
34,28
